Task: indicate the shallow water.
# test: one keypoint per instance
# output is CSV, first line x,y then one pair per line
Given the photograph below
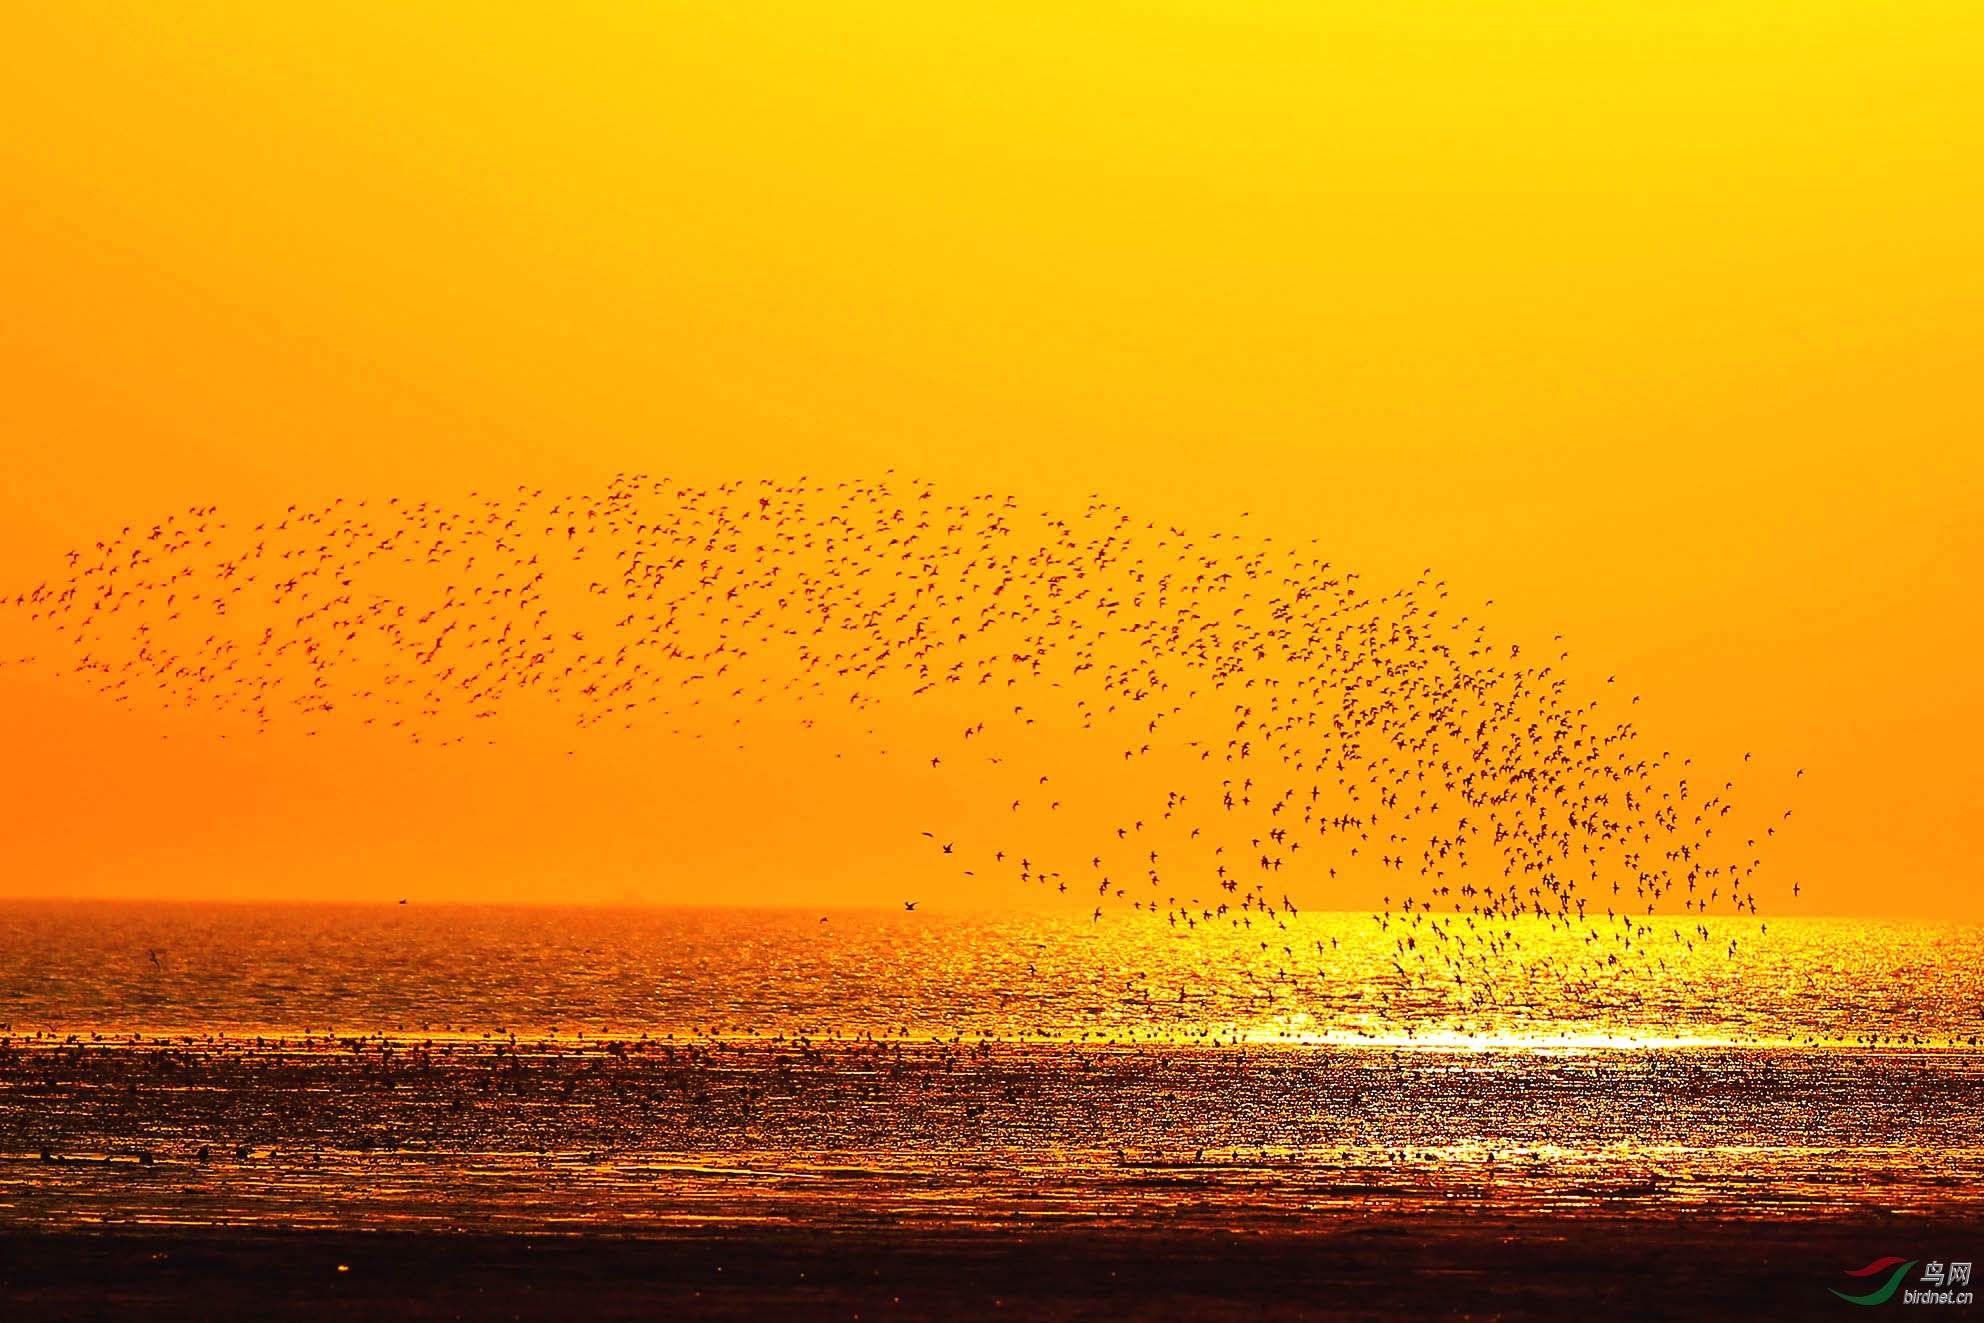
x,y
548,1068
359,969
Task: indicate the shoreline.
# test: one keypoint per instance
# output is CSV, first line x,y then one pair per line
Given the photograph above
x,y
1354,1266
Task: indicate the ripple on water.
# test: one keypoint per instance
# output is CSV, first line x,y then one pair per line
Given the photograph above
x,y
929,1071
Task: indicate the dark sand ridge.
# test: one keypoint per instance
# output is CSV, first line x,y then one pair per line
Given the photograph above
x,y
1352,1267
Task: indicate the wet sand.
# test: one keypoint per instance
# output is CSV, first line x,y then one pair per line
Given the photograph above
x,y
499,1136
1351,1267
805,1166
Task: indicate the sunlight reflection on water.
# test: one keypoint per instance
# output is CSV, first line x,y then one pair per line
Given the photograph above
x,y
549,1068
1321,978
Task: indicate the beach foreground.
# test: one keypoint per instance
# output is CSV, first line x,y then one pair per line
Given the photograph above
x,y
532,1116
1352,1267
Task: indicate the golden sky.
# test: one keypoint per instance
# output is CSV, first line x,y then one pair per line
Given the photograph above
x,y
1657,324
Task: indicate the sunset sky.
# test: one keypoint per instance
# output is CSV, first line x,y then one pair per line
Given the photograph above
x,y
1658,324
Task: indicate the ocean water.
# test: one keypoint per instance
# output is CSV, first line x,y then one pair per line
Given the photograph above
x,y
559,1069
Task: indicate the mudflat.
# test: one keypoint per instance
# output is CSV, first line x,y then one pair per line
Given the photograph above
x,y
1349,1267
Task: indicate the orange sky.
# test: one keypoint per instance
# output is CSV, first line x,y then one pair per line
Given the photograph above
x,y
1655,323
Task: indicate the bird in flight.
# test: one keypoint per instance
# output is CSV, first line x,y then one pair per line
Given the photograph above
x,y
1480,764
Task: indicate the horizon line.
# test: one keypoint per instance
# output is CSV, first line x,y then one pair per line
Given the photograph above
x,y
923,907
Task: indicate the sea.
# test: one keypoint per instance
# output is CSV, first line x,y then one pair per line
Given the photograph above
x,y
567,1069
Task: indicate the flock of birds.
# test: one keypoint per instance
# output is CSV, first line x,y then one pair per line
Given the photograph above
x,y
1190,727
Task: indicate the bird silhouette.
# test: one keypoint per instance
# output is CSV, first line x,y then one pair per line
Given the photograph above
x,y
1251,694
